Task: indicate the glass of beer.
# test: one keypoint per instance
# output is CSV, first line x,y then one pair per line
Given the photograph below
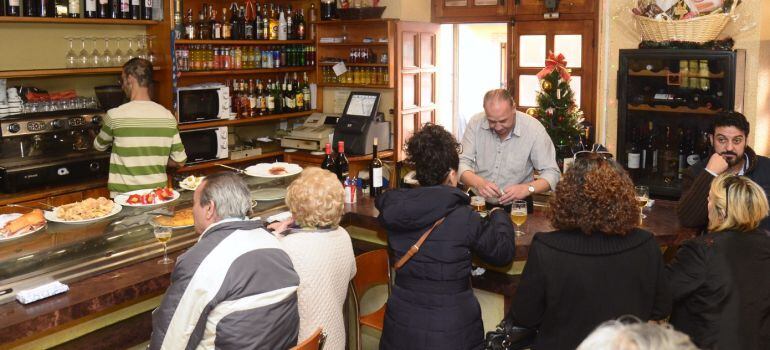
x,y
642,197
479,205
163,235
519,215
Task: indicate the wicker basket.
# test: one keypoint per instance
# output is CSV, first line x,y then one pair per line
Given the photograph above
x,y
698,29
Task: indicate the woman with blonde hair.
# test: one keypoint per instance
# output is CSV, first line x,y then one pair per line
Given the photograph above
x,y
321,252
719,281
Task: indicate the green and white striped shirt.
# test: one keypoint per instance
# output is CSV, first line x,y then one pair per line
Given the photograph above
x,y
143,135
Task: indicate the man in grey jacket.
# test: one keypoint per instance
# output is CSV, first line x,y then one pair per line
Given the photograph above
x,y
235,288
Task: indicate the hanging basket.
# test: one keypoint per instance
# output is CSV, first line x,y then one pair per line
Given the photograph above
x,y
698,29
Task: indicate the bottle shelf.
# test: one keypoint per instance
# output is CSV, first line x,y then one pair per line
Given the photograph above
x,y
21,19
352,44
244,42
61,72
211,73
366,86
666,72
353,21
245,121
666,109
356,64
208,165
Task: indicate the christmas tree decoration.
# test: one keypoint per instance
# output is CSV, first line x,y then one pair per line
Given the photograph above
x,y
546,85
532,112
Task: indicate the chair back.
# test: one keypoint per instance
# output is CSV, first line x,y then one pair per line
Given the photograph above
x,y
314,342
372,268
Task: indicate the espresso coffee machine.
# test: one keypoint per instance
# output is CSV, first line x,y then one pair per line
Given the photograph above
x,y
50,148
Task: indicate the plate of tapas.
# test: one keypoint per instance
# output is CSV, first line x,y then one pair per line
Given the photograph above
x,y
277,169
85,211
147,198
191,182
17,225
181,219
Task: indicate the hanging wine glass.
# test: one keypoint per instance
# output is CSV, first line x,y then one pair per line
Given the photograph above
x,y
70,60
130,52
140,47
150,54
95,58
107,54
83,57
117,58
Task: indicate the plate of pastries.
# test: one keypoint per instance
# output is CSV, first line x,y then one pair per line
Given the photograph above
x,y
181,219
17,225
85,211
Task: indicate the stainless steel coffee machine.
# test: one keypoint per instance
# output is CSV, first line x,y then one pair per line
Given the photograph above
x,y
50,148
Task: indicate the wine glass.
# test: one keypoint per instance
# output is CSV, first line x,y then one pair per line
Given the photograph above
x,y
140,46
83,57
107,54
150,54
642,197
163,235
519,215
71,59
117,57
130,52
95,58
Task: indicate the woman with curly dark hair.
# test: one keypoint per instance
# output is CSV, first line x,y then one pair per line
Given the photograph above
x,y
597,266
432,305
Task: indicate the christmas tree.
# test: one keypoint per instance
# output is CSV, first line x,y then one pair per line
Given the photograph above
x,y
556,109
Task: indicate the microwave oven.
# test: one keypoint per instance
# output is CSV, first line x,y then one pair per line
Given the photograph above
x,y
203,145
203,102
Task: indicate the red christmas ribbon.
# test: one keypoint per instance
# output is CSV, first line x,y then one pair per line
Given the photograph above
x,y
555,63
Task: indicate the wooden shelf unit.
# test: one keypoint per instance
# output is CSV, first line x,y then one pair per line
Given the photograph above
x,y
245,121
99,21
353,44
351,64
363,86
38,73
213,164
244,42
214,73
667,109
666,72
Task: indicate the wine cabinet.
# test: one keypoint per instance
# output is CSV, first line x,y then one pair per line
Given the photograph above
x,y
667,99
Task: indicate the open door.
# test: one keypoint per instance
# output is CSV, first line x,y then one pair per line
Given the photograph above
x,y
416,76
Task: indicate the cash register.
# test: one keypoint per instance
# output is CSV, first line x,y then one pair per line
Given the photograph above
x,y
361,122
313,134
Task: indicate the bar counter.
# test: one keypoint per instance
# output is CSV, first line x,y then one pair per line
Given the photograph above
x,y
97,294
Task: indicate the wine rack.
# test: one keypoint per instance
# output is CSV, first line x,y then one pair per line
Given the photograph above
x,y
667,100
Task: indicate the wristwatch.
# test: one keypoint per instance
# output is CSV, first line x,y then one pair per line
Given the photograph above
x,y
531,189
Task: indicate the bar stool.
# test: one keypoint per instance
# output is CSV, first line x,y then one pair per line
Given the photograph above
x,y
314,342
373,269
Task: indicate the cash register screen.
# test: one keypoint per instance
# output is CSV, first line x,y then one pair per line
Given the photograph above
x,y
362,105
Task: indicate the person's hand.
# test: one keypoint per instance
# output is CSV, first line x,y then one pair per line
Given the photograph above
x,y
279,227
487,189
514,192
717,164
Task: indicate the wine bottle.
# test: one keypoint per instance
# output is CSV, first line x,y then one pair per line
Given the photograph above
x,y
634,156
682,160
204,31
300,35
12,8
90,10
235,32
44,8
328,9
29,8
248,24
375,172
692,155
328,162
113,9
313,18
650,152
62,8
669,166
215,25
341,164
147,10
136,9
125,9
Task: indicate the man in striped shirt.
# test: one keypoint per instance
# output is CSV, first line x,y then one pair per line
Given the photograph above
x,y
234,289
143,135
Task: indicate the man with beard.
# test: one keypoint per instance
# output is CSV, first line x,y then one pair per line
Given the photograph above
x,y
731,155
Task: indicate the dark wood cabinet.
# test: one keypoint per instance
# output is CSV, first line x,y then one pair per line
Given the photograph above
x,y
537,7
448,11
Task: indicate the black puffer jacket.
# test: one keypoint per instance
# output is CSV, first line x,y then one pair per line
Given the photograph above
x,y
432,305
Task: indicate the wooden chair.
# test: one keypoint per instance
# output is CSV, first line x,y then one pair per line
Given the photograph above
x,y
314,342
373,269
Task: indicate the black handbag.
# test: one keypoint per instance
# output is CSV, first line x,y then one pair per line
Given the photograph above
x,y
509,337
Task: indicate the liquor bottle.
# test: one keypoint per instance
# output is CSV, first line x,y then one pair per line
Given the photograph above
x,y
341,164
62,8
136,9
301,24
265,23
375,172
704,147
270,97
227,33
258,28
328,162
328,9
634,155
189,26
306,92
682,160
29,8
242,22
125,9
147,10
289,24
73,9
203,30
692,155
248,24
90,11
45,8
274,24
313,18
216,26
650,152
12,8
235,32
669,158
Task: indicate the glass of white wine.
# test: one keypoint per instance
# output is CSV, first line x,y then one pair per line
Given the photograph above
x,y
163,235
519,215
642,197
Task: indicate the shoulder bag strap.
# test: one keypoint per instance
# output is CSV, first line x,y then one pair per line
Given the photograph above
x,y
416,247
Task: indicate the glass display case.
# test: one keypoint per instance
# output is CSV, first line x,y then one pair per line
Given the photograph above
x,y
70,252
666,102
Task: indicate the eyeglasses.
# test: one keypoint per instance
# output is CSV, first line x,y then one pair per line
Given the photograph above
x,y
585,154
